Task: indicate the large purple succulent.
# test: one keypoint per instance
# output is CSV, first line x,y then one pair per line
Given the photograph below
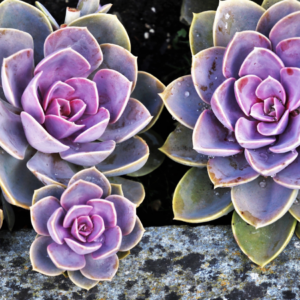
x,y
246,123
69,98
81,229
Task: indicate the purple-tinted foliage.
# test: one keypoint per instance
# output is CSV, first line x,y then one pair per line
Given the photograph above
x,y
83,229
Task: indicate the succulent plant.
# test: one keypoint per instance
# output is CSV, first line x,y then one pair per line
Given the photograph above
x,y
81,229
71,98
239,117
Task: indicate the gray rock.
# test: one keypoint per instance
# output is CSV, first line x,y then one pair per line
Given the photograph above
x,y
170,263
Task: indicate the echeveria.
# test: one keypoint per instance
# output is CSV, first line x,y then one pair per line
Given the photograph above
x,y
82,228
240,109
72,97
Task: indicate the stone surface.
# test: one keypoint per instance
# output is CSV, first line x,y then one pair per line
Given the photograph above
x,y
170,263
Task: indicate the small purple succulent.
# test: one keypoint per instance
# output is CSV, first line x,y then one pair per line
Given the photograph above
x,y
70,98
81,229
245,124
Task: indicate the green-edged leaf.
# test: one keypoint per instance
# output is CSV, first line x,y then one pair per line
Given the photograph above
x,y
116,189
195,200
105,8
77,278
268,3
133,190
297,231
295,210
20,15
45,11
8,213
156,158
17,182
201,36
262,201
147,91
105,28
189,7
127,157
87,7
48,190
179,147
122,255
264,244
1,218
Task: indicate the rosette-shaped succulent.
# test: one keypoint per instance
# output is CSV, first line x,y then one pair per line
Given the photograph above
x,y
82,228
72,98
242,104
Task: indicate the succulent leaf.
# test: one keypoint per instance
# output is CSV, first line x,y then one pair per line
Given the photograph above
x,y
268,3
127,157
88,7
183,102
81,281
7,214
230,18
295,210
105,28
179,147
262,201
104,8
46,191
264,244
230,171
147,91
201,36
20,15
122,255
45,11
133,190
195,200
116,189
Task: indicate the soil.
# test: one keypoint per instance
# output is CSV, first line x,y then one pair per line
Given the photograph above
x,y
160,41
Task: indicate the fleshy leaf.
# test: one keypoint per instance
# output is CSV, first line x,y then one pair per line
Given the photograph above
x,y
100,269
88,7
147,91
48,190
80,40
94,176
127,157
275,14
233,16
134,118
105,28
183,102
156,158
77,278
262,201
264,244
23,16
122,255
133,190
47,14
116,189
207,71
121,60
230,171
295,210
17,182
8,214
1,218
200,35
179,147
51,169
40,260
131,240
195,201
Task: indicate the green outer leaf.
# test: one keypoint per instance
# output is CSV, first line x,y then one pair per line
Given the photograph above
x,y
45,11
147,91
179,147
23,16
105,28
8,212
134,191
48,190
155,159
295,210
195,200
264,244
88,7
122,255
201,35
297,231
268,3
1,218
189,7
116,189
